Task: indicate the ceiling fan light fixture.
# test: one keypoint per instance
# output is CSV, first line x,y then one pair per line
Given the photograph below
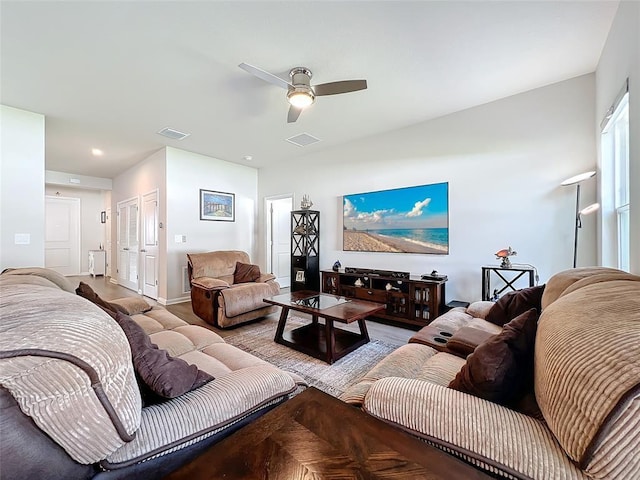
x,y
300,97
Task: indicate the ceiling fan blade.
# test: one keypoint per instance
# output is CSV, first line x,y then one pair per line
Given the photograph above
x,y
266,76
294,113
344,86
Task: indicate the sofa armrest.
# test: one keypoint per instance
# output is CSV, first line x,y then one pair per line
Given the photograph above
x,y
204,411
132,305
209,283
464,341
265,277
484,433
480,309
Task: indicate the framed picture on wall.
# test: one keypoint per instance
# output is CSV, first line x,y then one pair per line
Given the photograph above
x,y
217,206
401,220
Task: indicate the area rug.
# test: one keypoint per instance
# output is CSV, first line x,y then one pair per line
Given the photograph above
x,y
332,379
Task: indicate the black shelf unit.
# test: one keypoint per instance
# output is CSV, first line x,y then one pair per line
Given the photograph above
x,y
305,250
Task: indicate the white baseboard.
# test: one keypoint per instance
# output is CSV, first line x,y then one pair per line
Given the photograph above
x,y
173,301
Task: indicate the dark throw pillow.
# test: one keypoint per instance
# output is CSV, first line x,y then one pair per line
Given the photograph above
x,y
512,304
245,273
163,374
85,291
501,369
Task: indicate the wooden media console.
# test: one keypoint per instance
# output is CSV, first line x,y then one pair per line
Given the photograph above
x,y
409,299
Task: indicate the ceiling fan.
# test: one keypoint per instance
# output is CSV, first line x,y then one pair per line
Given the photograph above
x,y
300,93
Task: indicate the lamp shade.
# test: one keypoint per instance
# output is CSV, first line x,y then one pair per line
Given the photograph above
x,y
578,178
590,209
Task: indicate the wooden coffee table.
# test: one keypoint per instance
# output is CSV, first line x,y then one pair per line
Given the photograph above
x,y
316,436
323,341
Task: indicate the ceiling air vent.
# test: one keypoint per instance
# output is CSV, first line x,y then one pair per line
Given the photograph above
x,y
173,134
303,139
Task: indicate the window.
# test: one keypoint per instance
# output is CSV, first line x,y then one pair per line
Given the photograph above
x,y
615,160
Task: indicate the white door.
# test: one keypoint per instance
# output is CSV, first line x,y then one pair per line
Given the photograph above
x,y
279,235
107,243
128,244
62,234
149,242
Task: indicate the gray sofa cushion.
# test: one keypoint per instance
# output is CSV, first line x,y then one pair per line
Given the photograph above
x,y
86,292
83,394
51,275
131,305
181,421
164,375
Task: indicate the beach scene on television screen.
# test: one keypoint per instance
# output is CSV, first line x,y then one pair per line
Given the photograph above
x,y
402,220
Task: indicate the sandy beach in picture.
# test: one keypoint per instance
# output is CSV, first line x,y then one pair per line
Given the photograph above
x,y
370,242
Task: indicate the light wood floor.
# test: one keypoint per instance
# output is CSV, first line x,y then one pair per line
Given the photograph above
x,y
102,285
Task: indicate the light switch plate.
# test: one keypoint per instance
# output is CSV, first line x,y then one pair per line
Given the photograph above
x,y
22,239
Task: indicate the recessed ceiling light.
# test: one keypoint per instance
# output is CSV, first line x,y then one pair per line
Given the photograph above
x,y
97,152
247,158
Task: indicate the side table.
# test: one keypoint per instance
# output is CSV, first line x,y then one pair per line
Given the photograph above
x,y
505,277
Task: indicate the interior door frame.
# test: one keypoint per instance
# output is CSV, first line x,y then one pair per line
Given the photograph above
x,y
108,242
268,225
78,205
133,200
143,246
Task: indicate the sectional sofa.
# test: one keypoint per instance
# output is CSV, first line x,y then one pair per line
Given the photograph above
x,y
72,403
581,417
71,406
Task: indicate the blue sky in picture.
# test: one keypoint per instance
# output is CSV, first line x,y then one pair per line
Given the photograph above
x,y
419,207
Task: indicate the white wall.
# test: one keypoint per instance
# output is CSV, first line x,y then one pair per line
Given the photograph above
x,y
504,162
620,60
148,175
63,179
187,173
92,232
21,187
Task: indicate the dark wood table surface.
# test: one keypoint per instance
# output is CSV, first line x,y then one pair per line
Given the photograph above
x,y
317,436
323,341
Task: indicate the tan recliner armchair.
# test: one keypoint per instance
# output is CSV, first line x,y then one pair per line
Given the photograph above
x,y
226,290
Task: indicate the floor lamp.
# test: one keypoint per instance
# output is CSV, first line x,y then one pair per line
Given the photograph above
x,y
576,180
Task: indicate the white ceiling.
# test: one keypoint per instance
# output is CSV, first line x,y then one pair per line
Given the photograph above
x,y
111,74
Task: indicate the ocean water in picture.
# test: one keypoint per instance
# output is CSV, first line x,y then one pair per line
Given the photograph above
x,y
404,220
435,236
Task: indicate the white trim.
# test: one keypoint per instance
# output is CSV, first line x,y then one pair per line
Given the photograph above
x,y
173,301
268,238
604,124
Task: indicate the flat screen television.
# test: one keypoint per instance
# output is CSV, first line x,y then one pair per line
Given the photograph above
x,y
401,220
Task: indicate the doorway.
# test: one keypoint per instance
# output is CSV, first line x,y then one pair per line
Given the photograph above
x,y
62,234
128,244
149,243
107,241
278,226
